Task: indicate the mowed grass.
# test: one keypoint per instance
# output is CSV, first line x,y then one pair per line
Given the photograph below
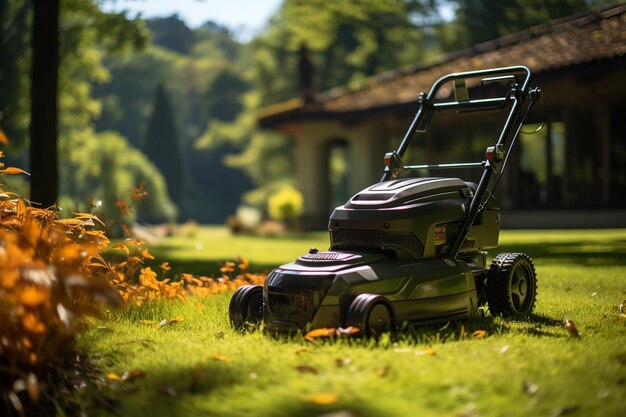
x,y
200,367
203,250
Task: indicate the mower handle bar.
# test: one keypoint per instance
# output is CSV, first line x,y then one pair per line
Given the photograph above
x,y
493,73
427,104
515,98
446,166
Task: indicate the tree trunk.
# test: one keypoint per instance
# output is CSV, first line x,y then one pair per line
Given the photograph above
x,y
44,181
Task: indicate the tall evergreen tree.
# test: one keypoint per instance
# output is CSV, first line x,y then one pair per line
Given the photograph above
x,y
162,145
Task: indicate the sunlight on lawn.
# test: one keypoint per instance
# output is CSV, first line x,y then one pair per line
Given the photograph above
x,y
199,366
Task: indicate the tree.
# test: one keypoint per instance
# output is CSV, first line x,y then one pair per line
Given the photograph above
x,y
223,98
14,40
44,109
207,84
161,144
348,41
62,46
171,33
482,20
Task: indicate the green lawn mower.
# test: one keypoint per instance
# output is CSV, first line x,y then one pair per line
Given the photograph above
x,y
410,249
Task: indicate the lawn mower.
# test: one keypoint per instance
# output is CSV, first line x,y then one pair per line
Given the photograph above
x,y
411,249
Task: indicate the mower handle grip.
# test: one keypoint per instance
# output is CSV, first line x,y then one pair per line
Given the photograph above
x,y
493,72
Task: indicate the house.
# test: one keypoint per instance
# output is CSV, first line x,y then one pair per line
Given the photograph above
x,y
570,174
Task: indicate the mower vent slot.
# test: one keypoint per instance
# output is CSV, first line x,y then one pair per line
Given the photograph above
x,y
326,256
373,196
372,238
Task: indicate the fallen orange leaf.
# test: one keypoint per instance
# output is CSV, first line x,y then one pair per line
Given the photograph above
x,y
479,334
323,398
339,362
111,376
134,374
307,369
427,352
382,372
571,328
323,332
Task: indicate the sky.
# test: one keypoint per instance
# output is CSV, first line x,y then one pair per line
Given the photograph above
x,y
244,17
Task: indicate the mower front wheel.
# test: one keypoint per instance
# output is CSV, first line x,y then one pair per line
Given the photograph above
x,y
511,285
246,306
372,314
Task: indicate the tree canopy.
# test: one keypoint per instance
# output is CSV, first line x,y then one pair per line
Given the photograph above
x,y
481,20
216,84
348,41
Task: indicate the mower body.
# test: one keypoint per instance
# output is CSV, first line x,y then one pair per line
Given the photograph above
x,y
386,240
411,249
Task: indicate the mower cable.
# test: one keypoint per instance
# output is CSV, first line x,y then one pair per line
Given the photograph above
x,y
543,123
506,159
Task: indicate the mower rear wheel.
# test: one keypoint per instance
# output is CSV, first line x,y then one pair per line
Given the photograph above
x,y
372,314
511,285
246,306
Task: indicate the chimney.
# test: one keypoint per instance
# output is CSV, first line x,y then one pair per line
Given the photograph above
x,y
305,72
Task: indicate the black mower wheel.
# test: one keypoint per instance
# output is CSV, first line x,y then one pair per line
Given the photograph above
x,y
511,285
372,314
246,306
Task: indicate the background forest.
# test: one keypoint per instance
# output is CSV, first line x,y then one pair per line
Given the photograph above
x,y
174,106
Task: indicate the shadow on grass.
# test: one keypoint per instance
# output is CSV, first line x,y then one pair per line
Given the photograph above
x,y
533,324
582,253
207,268
162,389
188,391
416,334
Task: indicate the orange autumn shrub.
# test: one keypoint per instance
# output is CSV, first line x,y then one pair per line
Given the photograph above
x,y
137,283
52,273
230,280
45,288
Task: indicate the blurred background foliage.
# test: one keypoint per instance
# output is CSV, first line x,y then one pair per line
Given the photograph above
x,y
158,101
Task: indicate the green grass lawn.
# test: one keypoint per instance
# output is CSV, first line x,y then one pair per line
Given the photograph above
x,y
199,366
205,249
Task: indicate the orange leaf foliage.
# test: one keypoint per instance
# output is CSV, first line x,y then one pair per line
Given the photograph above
x,y
3,138
13,171
52,272
33,296
323,398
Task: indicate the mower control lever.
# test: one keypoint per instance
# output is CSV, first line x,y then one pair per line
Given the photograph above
x,y
495,155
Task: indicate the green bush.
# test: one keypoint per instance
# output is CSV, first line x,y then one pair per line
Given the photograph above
x,y
106,167
286,204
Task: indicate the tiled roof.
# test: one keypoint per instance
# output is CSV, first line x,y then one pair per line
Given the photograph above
x,y
566,42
